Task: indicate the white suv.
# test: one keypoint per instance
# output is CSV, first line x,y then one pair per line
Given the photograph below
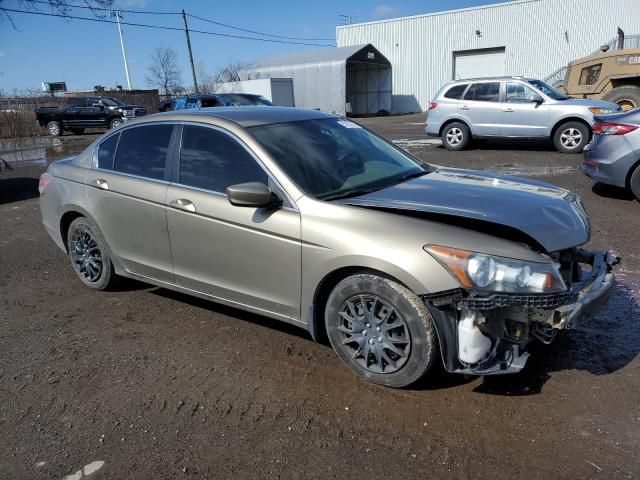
x,y
511,107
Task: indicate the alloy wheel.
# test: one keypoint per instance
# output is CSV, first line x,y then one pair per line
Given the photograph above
x,y
54,129
571,138
374,334
455,136
115,123
86,255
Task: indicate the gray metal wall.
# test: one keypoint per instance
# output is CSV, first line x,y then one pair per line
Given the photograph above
x,y
540,36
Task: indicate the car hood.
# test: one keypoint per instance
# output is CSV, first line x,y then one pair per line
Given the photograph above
x,y
585,102
555,218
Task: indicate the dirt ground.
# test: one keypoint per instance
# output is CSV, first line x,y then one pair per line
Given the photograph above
x,y
156,384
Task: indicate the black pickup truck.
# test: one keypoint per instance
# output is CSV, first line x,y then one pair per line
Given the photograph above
x,y
86,112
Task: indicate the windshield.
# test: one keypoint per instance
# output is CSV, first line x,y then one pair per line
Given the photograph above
x,y
237,100
548,90
112,102
335,157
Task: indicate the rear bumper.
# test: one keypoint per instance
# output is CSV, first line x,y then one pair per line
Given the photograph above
x,y
608,160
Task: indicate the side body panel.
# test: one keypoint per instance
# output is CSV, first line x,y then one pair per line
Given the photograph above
x,y
132,216
247,256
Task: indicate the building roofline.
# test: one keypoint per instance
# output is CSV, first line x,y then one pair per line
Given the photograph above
x,y
436,14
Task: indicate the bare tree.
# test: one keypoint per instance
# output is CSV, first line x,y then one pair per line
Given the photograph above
x,y
164,72
206,81
100,8
230,72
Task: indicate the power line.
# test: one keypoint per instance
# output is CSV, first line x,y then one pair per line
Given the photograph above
x,y
104,9
256,32
162,27
151,12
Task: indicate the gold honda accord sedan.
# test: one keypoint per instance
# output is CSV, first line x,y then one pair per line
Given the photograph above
x,y
311,219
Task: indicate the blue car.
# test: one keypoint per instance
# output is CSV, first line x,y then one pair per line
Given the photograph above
x,y
214,100
613,156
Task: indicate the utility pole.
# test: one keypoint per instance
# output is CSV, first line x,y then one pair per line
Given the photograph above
x,y
118,16
193,69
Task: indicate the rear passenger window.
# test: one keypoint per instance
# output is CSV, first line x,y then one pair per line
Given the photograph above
x,y
456,91
106,152
484,92
143,151
213,160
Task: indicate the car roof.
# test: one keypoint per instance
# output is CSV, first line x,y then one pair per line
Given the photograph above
x,y
484,79
245,116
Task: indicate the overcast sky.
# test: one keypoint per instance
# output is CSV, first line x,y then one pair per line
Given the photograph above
x,y
85,54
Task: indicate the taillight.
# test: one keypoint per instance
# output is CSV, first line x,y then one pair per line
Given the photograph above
x,y
610,128
432,105
45,178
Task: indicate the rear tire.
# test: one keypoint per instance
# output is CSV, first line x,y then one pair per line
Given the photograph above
x,y
571,137
634,182
628,97
89,256
456,136
54,128
380,330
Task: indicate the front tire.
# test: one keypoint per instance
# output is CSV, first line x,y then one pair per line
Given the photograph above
x,y
380,330
628,97
115,122
456,136
54,128
88,255
571,137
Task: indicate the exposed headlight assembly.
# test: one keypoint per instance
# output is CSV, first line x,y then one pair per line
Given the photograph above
x,y
489,273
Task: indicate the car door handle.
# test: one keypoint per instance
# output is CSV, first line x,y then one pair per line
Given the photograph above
x,y
465,107
508,109
183,204
100,183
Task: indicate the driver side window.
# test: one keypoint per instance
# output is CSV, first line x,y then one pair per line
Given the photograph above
x,y
519,93
212,160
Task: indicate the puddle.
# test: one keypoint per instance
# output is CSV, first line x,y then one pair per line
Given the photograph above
x,y
26,152
409,143
529,171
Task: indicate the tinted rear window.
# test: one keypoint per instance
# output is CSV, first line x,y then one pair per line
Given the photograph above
x,y
456,91
484,92
143,151
106,151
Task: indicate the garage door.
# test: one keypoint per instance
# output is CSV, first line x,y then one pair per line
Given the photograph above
x,y
478,63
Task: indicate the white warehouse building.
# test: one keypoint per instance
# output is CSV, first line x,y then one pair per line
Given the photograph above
x,y
532,38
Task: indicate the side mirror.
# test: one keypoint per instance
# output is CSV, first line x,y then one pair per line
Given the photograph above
x,y
252,194
99,105
537,99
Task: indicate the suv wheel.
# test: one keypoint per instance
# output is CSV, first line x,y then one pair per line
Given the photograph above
x,y
380,330
456,136
88,255
571,137
115,122
54,129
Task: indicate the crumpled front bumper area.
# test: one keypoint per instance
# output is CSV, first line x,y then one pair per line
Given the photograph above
x,y
501,326
589,295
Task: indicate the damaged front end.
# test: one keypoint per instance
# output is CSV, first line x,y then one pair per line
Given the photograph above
x,y
486,329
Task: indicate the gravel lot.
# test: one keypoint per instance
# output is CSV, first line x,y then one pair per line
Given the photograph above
x,y
156,384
